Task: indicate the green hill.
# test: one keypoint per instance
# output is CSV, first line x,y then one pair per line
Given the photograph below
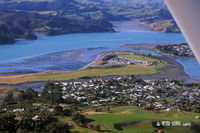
x,y
131,119
16,25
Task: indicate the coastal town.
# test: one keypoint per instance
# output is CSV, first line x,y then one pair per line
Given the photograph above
x,y
166,94
182,50
169,95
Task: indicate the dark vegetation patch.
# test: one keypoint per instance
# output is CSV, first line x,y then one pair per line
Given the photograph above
x,y
119,126
106,58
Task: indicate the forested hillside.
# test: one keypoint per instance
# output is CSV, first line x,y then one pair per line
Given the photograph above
x,y
22,19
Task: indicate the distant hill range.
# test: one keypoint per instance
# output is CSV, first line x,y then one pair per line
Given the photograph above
x,y
152,13
22,19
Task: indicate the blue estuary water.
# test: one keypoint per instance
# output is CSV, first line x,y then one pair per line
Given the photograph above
x,y
71,52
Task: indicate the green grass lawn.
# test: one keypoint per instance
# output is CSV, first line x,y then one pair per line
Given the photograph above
x,y
143,120
126,70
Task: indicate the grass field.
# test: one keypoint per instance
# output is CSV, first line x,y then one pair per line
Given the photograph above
x,y
131,69
140,121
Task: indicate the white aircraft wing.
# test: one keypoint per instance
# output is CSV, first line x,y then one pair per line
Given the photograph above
x,y
187,15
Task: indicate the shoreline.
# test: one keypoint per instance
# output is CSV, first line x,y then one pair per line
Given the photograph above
x,y
151,47
138,24
39,34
